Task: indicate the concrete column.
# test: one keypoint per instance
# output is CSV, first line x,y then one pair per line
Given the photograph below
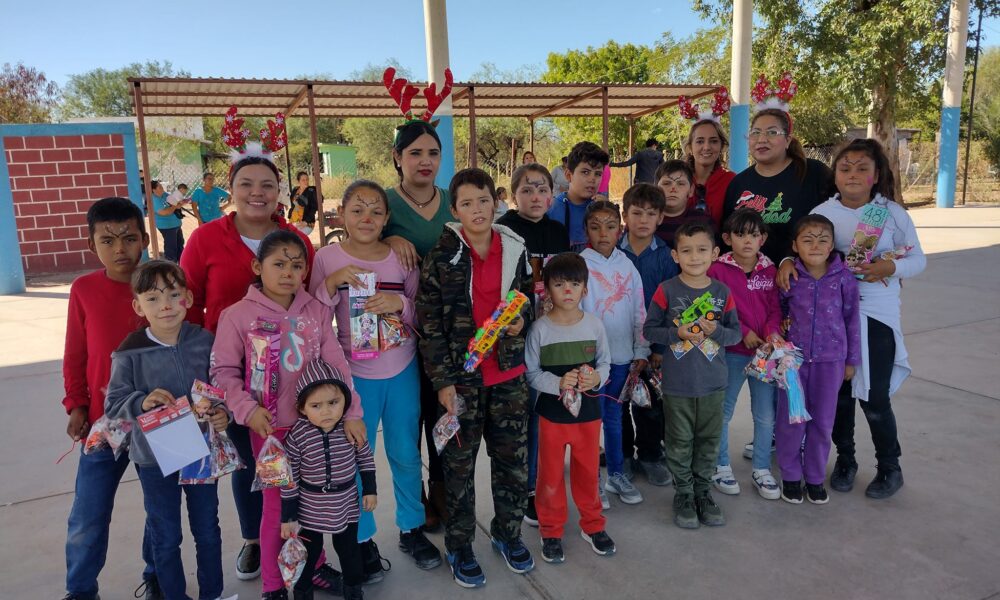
x,y
951,109
436,38
11,269
739,85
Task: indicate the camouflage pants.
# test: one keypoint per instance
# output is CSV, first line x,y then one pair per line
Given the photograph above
x,y
498,414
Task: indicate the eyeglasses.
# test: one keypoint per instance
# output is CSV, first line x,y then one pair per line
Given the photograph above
x,y
769,133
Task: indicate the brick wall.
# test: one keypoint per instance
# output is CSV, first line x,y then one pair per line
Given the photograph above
x,y
53,180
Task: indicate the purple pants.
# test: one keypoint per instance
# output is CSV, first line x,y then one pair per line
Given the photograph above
x,y
821,382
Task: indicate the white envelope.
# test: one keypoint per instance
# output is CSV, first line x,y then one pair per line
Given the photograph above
x,y
173,435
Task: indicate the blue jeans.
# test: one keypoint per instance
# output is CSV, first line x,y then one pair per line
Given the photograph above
x,y
532,439
161,497
762,398
396,403
612,417
97,478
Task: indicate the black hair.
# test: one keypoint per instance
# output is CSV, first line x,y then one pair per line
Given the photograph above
x,y
500,190
744,221
253,160
644,195
587,152
565,159
795,150
812,219
154,183
873,150
407,134
693,228
652,142
300,174
523,170
206,175
567,266
674,166
598,206
182,185
367,184
474,177
114,210
145,277
276,239
303,396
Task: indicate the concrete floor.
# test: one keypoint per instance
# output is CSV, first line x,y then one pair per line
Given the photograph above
x,y
936,539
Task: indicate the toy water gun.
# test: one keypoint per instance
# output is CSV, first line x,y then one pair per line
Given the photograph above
x,y
702,307
486,336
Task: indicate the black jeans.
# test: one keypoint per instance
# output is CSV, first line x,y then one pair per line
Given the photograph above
x,y
429,412
173,243
644,439
249,505
348,551
878,408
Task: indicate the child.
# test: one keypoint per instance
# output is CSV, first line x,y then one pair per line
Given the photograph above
x,y
465,275
152,368
389,385
323,496
208,199
502,207
168,223
864,182
559,343
695,316
822,305
643,206
544,238
100,305
304,326
676,179
584,168
749,275
615,296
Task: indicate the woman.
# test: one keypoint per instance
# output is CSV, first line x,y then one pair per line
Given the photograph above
x,y
302,213
704,147
528,157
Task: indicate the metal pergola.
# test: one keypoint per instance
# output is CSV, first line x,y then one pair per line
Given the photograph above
x,y
210,97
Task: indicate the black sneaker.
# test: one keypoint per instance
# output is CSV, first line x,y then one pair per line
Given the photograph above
x,y
600,542
530,514
552,551
685,515
416,544
149,589
281,594
708,511
329,580
791,492
75,596
842,478
816,493
302,594
248,562
886,483
374,564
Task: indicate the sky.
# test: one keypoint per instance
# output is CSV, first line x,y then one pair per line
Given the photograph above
x,y
328,37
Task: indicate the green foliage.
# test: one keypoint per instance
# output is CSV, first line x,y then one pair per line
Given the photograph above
x,y
986,120
26,95
103,93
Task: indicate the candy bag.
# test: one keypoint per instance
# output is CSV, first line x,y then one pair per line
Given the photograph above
x,y
392,332
291,560
635,391
771,360
571,399
447,426
656,381
105,432
225,458
273,469
263,351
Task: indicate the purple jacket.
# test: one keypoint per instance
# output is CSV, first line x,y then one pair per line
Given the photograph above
x,y
825,314
756,297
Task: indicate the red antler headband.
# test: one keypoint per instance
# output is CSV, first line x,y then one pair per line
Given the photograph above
x,y
234,134
767,96
403,93
718,107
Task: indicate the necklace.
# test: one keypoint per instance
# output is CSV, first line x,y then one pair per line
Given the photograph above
x,y
414,201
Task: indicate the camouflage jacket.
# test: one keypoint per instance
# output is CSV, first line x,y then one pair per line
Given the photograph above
x,y
444,306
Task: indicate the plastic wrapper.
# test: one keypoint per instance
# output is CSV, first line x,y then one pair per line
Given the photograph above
x,y
635,391
392,332
225,458
655,382
572,399
291,560
447,426
797,412
105,432
263,352
273,470
200,471
778,363
364,325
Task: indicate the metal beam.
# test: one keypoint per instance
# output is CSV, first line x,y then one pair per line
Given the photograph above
x,y
667,105
148,179
565,103
297,101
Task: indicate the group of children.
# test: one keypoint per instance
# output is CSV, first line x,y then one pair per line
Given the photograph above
x,y
608,307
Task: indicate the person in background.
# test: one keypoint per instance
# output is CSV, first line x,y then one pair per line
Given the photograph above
x,y
646,161
209,199
585,166
528,157
502,206
675,177
560,184
305,204
168,222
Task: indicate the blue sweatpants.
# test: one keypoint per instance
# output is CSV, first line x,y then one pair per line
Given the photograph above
x,y
612,417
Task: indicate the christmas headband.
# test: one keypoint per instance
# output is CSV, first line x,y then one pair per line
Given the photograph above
x,y
403,92
718,107
767,96
272,138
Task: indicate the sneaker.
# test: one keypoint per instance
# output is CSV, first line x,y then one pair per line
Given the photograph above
x,y
149,589
329,580
748,451
281,594
248,562
766,486
530,514
605,503
75,596
600,542
416,544
816,493
515,554
886,483
708,511
842,478
656,473
552,551
724,481
373,563
618,484
685,515
791,492
465,568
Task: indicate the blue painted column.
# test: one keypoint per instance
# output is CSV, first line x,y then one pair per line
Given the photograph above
x,y
436,34
739,146
11,269
739,85
951,110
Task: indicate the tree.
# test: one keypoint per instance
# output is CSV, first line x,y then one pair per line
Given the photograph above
x,y
986,122
103,93
26,95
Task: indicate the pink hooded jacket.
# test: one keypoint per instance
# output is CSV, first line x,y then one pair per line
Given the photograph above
x,y
306,334
756,296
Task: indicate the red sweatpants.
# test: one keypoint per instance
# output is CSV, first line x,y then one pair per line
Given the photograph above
x,y
584,464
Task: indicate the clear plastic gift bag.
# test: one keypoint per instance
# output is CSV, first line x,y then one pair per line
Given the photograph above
x,y
635,391
447,426
105,432
292,559
273,469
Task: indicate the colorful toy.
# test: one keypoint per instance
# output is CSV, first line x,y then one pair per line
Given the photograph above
x,y
702,307
778,363
364,325
263,351
486,336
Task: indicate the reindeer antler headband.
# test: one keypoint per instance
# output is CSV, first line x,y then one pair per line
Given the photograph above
x,y
234,134
403,93
767,96
694,112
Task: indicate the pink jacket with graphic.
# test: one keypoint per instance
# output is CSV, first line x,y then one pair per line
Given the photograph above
x,y
757,301
306,334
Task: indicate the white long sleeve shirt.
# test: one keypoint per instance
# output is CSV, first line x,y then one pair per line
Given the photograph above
x,y
614,295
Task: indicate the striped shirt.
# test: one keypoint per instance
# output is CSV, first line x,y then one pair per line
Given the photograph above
x,y
320,459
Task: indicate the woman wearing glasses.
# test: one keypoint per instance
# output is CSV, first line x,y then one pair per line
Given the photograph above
x,y
782,184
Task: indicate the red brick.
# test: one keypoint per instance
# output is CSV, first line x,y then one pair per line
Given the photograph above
x,y
112,153
36,235
25,156
24,223
41,263
69,141
61,208
113,179
21,196
87,180
101,192
44,195
31,209
58,181
42,168
74,193
84,154
49,221
96,141
17,170
119,166
29,183
75,218
55,155
52,247
66,233
39,142
71,168
99,166
13,143
71,260
80,244
29,248
117,140
121,191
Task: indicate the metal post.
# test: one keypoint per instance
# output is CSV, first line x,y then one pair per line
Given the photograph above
x,y
288,171
951,109
604,117
317,168
513,157
473,143
972,107
739,85
436,35
531,143
148,189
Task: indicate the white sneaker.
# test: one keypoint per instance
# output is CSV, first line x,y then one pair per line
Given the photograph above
x,y
724,481
605,503
619,484
766,486
748,451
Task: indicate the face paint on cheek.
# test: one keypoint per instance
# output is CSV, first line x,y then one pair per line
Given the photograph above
x,y
184,303
870,180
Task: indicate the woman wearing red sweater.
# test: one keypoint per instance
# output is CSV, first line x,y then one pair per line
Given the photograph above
x,y
704,146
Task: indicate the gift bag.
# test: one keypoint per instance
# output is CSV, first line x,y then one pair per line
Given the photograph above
x,y
572,399
273,469
392,332
447,426
105,432
635,391
292,559
225,458
263,351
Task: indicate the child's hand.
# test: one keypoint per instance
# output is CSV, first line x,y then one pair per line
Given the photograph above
x,y
346,276
515,327
639,364
786,272
356,432
877,270
786,324
384,303
774,338
368,502
589,380
158,397
78,424
848,372
260,422
405,251
219,418
708,326
655,361
685,333
570,379
446,397
751,340
289,529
